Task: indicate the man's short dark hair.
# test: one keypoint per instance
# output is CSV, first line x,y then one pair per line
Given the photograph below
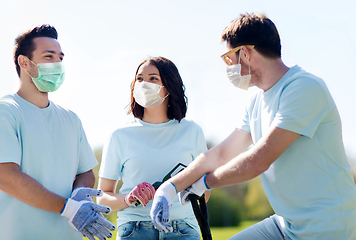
x,y
253,29
24,44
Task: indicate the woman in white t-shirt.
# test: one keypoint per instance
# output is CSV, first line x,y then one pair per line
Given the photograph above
x,y
143,151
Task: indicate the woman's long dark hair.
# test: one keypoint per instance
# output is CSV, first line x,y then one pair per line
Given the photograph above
x,y
172,81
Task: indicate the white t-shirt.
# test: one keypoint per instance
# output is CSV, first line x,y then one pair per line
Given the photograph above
x,y
310,185
50,146
144,152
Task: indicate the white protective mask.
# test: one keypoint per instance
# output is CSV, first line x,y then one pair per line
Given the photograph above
x,y
147,94
234,75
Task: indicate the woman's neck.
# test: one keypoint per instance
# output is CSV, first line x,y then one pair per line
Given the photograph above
x,y
155,115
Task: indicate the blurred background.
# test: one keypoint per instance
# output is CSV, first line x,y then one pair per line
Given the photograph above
x,y
104,41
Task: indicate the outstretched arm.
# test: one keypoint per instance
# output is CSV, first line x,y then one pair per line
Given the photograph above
x,y
253,162
26,189
237,143
110,198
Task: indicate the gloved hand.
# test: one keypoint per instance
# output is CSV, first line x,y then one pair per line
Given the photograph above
x,y
161,206
143,193
85,193
86,217
99,228
197,188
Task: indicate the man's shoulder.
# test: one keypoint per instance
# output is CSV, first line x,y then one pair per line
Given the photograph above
x,y
9,103
300,76
63,110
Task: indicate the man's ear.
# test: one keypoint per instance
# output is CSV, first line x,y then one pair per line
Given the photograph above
x,y
245,53
23,61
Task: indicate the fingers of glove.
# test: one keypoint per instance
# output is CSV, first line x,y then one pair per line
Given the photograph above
x,y
94,192
142,198
101,229
94,232
101,220
160,209
159,225
101,208
165,213
131,200
149,189
87,234
83,193
142,193
183,197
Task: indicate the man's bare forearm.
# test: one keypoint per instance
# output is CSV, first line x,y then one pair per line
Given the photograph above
x,y
86,179
26,189
207,162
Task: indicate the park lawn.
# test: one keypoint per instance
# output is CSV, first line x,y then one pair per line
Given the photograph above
x,y
218,233
223,233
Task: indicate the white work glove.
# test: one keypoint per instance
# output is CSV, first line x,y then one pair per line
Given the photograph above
x,y
161,206
86,217
99,229
197,188
85,193
143,193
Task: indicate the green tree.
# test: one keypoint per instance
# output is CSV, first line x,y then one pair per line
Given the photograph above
x,y
223,210
256,201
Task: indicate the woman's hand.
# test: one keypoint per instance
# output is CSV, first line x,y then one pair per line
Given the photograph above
x,y
143,193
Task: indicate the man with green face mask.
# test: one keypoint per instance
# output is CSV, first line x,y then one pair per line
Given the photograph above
x,y
45,159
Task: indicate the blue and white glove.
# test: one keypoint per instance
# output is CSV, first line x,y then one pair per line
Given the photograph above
x,y
86,217
197,188
85,193
99,228
161,206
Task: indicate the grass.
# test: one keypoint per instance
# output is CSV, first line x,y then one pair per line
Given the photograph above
x,y
218,233
223,233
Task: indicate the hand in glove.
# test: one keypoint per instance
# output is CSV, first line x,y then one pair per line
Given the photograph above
x,y
85,193
161,206
86,217
143,193
197,188
99,228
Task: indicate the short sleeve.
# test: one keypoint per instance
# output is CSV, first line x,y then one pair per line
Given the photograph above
x,y
110,167
87,160
10,146
304,103
244,123
201,143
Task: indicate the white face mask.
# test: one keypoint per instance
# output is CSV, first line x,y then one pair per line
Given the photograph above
x,y
234,75
147,94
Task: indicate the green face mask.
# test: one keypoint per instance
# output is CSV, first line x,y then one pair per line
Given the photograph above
x,y
50,76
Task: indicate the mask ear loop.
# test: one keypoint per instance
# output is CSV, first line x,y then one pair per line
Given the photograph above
x,y
239,56
33,64
249,66
164,96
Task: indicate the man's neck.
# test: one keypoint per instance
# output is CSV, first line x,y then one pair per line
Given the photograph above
x,y
30,93
272,72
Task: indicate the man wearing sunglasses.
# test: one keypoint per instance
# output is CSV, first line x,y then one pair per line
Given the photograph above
x,y
294,130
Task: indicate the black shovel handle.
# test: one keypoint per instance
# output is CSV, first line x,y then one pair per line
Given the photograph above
x,y
201,213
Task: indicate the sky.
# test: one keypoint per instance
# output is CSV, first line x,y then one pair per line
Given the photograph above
x,y
104,42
